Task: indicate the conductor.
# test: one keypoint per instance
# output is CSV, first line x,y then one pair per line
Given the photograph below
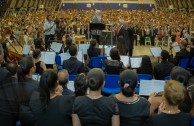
x,y
49,31
97,19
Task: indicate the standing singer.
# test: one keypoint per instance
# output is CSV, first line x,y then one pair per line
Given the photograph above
x,y
49,31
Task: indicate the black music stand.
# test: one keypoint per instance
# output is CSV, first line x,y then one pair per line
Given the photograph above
x,y
98,26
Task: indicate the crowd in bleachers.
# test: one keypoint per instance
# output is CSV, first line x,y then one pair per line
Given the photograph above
x,y
50,101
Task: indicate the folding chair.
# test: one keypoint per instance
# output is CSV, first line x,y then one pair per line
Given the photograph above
x,y
111,84
167,78
183,63
97,62
58,62
191,64
71,77
147,40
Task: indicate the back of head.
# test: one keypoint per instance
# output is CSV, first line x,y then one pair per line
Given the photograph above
x,y
173,39
165,55
93,43
73,50
95,79
146,65
48,83
63,77
114,54
12,68
26,64
180,74
68,41
173,93
36,53
128,81
80,85
184,44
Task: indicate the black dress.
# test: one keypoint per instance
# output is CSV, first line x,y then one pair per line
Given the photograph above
x,y
133,113
113,66
163,119
95,112
56,113
39,69
93,52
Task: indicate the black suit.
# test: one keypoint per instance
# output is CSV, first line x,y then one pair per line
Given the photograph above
x,y
162,70
73,66
4,73
183,53
130,41
121,41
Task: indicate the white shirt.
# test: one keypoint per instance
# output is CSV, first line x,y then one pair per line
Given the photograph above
x,y
48,25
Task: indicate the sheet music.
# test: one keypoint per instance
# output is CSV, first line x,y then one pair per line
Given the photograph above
x,y
36,77
64,56
70,86
156,51
26,49
80,56
135,62
83,48
55,46
125,60
149,86
176,47
48,57
107,51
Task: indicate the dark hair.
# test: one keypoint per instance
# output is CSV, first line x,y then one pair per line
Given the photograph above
x,y
48,16
165,55
130,78
80,85
36,53
114,54
48,82
12,68
25,66
73,50
95,79
181,75
68,41
146,65
173,38
92,44
64,78
184,43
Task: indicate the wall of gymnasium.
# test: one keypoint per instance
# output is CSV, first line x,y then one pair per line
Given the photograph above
x,y
108,5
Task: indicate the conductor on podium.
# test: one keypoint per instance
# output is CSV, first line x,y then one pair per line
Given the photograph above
x,y
96,19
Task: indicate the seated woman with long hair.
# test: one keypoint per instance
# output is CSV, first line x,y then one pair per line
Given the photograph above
x,y
93,50
80,85
134,110
146,66
95,109
181,75
169,111
48,107
40,65
114,65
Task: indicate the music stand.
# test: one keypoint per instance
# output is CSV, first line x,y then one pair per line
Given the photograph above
x,y
98,26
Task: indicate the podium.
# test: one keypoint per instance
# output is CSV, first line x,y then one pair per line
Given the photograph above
x,y
97,26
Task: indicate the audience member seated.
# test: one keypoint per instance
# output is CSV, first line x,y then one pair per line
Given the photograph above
x,y
134,110
63,78
95,109
48,108
9,96
146,66
181,75
93,50
80,85
114,65
68,43
183,53
40,65
26,87
73,65
169,112
164,68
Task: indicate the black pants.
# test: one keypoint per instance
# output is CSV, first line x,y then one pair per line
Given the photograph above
x,y
130,52
48,39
